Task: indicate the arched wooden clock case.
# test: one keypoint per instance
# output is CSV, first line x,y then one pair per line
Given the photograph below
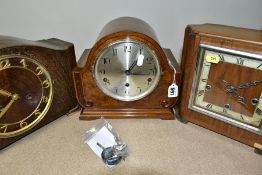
x,y
96,103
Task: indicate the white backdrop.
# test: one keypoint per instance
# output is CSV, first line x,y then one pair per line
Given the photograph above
x,y
80,21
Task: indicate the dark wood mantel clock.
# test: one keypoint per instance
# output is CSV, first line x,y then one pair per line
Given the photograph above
x,y
36,85
127,74
222,81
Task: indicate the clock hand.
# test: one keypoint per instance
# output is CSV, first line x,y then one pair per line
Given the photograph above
x,y
128,72
233,91
138,74
5,93
132,66
247,85
14,97
231,88
239,98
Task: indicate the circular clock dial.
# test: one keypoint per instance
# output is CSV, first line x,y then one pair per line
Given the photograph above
x,y
229,87
127,71
25,94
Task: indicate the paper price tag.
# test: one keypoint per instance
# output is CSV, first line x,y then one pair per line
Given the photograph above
x,y
140,60
173,90
212,59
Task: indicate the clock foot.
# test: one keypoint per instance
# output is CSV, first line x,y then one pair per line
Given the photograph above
x,y
178,116
258,148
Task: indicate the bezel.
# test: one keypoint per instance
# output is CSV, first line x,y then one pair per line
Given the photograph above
x,y
126,98
197,72
46,107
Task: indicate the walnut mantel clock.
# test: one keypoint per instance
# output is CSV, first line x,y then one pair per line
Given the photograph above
x,y
222,80
35,78
126,74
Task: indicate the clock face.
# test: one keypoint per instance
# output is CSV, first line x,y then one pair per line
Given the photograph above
x,y
25,94
127,71
228,86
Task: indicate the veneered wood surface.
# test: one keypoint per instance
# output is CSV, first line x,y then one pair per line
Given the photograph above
x,y
236,75
92,98
225,37
58,58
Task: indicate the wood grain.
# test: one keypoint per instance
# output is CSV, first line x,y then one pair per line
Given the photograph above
x,y
58,58
93,99
247,40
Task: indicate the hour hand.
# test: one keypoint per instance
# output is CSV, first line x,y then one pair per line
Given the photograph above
x,y
14,97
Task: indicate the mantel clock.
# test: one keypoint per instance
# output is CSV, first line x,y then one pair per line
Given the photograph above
x,y
222,80
127,74
35,78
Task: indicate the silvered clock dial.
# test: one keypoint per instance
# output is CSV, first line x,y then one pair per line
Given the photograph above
x,y
127,71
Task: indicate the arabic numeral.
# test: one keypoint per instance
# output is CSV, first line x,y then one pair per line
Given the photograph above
x,y
3,128
37,112
44,99
127,48
4,64
106,81
23,62
39,71
46,84
259,66
23,124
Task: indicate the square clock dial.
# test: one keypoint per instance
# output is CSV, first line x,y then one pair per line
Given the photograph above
x,y
222,81
228,86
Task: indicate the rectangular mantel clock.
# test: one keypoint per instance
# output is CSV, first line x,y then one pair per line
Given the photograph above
x,y
222,80
36,85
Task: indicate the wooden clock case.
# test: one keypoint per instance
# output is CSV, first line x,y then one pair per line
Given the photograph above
x,y
58,57
221,36
96,104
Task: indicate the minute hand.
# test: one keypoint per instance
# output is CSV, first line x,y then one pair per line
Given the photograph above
x,y
6,108
132,66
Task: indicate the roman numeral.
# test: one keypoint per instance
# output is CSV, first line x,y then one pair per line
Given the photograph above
x,y
209,106
240,61
106,60
114,52
259,66
201,92
221,57
258,111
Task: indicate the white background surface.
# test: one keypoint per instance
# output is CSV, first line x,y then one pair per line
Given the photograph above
x,y
80,21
